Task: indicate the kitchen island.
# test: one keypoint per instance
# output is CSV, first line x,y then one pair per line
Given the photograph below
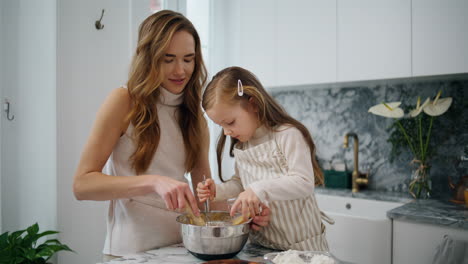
x,y
177,253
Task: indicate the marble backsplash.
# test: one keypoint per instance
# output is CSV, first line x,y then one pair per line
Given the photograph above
x,y
329,113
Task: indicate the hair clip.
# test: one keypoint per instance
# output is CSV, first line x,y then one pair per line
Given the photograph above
x,y
240,88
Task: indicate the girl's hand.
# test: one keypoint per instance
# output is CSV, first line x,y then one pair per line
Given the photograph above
x,y
175,193
261,220
248,203
206,191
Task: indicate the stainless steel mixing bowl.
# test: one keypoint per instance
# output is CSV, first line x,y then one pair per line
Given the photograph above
x,y
219,239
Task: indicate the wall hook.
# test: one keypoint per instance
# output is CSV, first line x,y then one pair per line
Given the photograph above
x,y
6,108
98,23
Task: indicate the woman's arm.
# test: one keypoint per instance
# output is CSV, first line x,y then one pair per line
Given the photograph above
x,y
91,184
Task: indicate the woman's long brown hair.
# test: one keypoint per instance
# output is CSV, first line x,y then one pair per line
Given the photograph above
x,y
223,87
144,82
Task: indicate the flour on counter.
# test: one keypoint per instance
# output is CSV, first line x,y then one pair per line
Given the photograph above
x,y
288,257
294,257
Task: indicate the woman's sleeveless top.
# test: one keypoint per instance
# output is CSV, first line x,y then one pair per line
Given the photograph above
x,y
142,223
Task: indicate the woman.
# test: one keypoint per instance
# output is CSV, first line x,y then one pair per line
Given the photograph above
x,y
150,133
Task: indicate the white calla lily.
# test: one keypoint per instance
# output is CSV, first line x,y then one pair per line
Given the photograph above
x,y
388,110
417,138
419,108
438,106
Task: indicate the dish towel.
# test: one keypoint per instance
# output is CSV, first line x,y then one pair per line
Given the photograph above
x,y
451,251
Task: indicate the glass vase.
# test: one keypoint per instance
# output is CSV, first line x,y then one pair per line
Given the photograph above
x,y
420,185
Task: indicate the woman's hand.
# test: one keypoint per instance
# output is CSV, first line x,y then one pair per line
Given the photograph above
x,y
174,193
261,220
248,203
206,190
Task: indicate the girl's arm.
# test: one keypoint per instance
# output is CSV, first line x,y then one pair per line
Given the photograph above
x,y
91,184
299,182
229,189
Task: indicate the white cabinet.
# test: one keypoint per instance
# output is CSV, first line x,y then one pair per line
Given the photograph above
x,y
416,243
283,43
440,36
374,39
253,37
306,42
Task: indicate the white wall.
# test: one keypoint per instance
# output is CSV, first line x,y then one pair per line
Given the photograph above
x,y
222,28
56,69
90,64
28,142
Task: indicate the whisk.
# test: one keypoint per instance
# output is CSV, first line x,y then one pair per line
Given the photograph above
x,y
207,204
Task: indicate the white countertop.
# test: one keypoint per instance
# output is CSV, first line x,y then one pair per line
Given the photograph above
x,y
177,254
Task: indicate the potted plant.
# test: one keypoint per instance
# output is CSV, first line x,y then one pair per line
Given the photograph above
x,y
414,132
20,247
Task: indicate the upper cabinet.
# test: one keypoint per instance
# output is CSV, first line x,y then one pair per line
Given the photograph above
x,y
440,37
321,41
374,39
283,43
253,38
305,42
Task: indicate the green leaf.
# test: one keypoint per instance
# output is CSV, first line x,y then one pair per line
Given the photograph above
x,y
66,248
18,249
45,252
59,247
46,233
40,261
3,241
32,230
18,260
50,241
29,254
15,235
57,243
4,258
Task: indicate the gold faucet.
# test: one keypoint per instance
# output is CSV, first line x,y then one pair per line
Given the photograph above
x,y
357,180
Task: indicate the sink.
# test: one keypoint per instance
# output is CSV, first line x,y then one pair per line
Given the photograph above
x,y
362,232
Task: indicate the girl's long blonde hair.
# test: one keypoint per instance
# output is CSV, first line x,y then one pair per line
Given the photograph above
x,y
144,82
223,87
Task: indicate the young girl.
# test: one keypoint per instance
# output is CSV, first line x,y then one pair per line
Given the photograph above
x,y
275,162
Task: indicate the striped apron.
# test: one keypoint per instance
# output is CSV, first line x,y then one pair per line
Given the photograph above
x,y
294,224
